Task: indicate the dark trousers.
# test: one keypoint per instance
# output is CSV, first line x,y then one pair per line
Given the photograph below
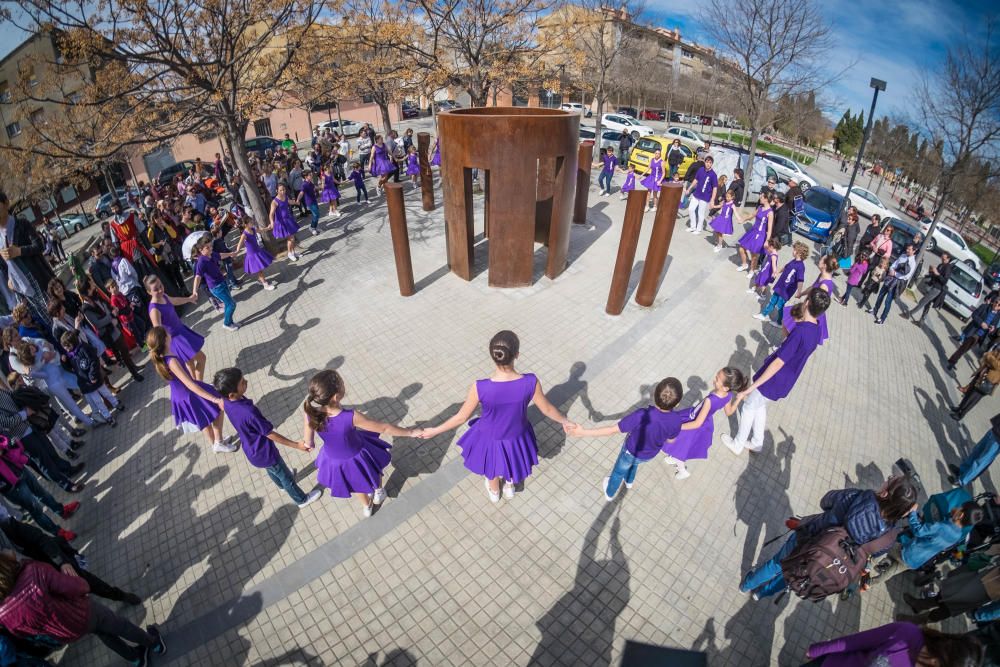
x,y
29,495
120,350
44,459
361,190
966,345
969,401
139,325
112,629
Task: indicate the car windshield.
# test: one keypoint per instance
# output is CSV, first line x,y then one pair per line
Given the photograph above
x,y
821,201
965,280
647,144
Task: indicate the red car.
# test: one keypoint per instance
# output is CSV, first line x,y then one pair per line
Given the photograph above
x,y
654,114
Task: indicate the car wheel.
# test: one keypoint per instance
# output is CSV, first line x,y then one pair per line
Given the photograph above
x,y
78,227
102,214
970,263
931,244
635,136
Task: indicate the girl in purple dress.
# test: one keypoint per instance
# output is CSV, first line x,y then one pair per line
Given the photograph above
x,y
283,225
501,443
654,178
331,193
629,184
768,272
257,258
413,165
196,406
436,158
696,433
185,344
722,224
828,266
753,241
380,163
353,457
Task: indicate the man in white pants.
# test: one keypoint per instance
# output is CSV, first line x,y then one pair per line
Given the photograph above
x,y
702,191
778,374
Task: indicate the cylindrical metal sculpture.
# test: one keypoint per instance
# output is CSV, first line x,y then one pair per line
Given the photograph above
x,y
426,178
400,237
585,157
659,242
522,150
631,226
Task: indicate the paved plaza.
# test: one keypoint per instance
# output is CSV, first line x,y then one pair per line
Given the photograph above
x,y
237,575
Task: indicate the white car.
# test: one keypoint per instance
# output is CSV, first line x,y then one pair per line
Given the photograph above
x,y
689,138
787,168
578,108
964,290
948,240
866,202
350,128
622,123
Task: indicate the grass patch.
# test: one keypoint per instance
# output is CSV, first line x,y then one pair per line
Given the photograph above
x,y
984,253
767,147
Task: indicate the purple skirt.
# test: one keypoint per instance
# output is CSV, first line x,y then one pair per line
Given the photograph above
x,y
649,182
256,260
764,276
722,224
329,194
283,228
692,444
436,160
362,473
191,412
412,169
753,241
382,166
185,344
511,459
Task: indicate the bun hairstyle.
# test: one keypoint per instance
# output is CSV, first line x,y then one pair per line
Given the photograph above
x,y
733,379
156,340
323,388
227,381
897,498
668,393
829,264
504,348
818,301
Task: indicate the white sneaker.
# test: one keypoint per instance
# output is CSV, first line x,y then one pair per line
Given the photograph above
x,y
774,324
508,490
494,497
311,498
718,248
338,214
669,460
368,509
733,446
629,485
682,473
762,318
225,448
604,489
314,231
231,327
379,496
744,267
751,290
292,257
270,286
755,450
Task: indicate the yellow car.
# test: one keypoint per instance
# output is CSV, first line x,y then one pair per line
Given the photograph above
x,y
643,150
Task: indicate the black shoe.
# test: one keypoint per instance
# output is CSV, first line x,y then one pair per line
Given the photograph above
x,y
138,377
76,444
120,407
75,470
77,432
131,599
160,648
954,470
953,480
72,455
868,309
904,315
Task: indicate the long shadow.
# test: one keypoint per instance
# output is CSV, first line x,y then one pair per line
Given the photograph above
x,y
751,634
397,657
411,458
800,625
293,658
551,437
761,495
283,302
584,617
952,437
270,352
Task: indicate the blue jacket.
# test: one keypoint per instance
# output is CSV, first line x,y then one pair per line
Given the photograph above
x,y
928,540
854,509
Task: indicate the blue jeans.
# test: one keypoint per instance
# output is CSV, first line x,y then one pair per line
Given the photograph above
x,y
888,292
361,190
314,212
847,292
990,612
282,476
221,292
673,171
230,276
29,495
979,459
777,302
624,470
604,181
766,579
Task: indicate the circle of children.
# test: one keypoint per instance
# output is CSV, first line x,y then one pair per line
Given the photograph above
x,y
60,352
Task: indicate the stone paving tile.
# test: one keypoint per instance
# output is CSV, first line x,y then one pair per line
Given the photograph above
x,y
556,576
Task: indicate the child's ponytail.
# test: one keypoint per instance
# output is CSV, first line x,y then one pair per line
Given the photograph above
x,y
156,340
734,379
324,387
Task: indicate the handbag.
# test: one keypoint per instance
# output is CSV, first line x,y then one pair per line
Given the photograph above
x,y
984,387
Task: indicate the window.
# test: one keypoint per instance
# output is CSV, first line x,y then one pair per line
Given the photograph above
x,y
686,151
13,129
367,99
37,117
686,54
68,194
5,92
262,127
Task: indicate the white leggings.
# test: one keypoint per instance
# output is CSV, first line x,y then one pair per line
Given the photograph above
x,y
697,213
753,417
97,406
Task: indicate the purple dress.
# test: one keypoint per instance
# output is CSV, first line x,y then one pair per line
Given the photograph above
x,y
184,343
652,180
694,444
257,259
766,274
753,241
789,322
382,165
330,192
501,442
723,223
412,165
351,459
191,412
629,184
436,158
284,221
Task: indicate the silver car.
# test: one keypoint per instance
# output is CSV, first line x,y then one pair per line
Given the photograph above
x,y
964,290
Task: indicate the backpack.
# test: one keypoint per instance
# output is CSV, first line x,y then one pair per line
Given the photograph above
x,y
828,562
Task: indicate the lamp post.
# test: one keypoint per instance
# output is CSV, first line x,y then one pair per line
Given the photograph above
x,y
878,85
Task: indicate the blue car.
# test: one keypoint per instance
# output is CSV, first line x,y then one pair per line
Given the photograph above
x,y
818,217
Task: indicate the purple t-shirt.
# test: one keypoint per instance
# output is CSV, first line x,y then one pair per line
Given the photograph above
x,y
308,193
252,428
208,269
648,428
705,181
794,351
359,180
610,162
793,273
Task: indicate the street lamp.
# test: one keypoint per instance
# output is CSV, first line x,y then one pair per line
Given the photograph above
x,y
878,85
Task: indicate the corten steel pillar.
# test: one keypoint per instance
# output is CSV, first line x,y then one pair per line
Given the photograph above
x,y
631,226
510,144
659,242
426,178
585,157
400,237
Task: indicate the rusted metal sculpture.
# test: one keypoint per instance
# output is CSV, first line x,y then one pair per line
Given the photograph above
x,y
426,178
529,156
631,226
400,237
584,158
659,242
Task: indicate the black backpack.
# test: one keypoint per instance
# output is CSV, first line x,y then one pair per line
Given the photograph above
x,y
830,561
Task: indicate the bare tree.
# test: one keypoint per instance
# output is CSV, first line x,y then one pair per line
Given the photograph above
x,y
777,46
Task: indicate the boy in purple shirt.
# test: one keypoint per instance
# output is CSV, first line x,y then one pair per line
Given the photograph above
x,y
358,178
258,435
787,285
307,198
206,267
778,374
647,428
702,190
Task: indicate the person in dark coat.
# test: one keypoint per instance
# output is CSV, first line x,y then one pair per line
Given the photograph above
x,y
28,270
737,186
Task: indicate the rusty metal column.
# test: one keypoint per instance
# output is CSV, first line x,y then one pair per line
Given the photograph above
x,y
659,242
631,226
585,156
426,178
400,237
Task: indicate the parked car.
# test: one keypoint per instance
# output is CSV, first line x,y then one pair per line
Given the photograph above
x,y
103,208
654,114
867,203
609,138
628,111
445,105
818,217
621,123
351,128
184,166
964,290
259,145
788,168
948,240
902,236
729,158
676,117
409,109
643,151
68,224
689,137
578,108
